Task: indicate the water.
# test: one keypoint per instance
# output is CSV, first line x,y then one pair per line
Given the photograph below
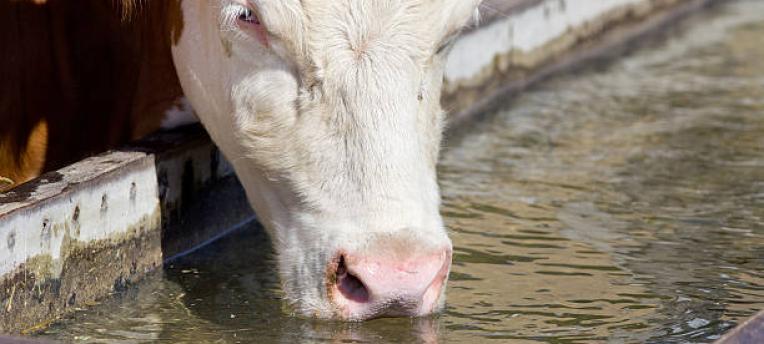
x,y
624,203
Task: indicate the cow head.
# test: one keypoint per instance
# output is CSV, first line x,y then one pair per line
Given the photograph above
x,y
329,111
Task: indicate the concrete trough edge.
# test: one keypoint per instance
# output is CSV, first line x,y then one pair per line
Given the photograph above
x,y
513,68
74,236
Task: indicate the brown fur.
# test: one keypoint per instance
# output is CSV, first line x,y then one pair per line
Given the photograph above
x,y
77,78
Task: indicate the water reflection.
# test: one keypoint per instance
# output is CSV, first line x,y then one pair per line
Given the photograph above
x,y
638,191
623,204
224,294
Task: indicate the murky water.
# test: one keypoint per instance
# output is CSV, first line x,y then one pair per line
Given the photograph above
x,y
622,204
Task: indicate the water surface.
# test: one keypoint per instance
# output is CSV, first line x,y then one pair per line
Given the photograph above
x,y
623,203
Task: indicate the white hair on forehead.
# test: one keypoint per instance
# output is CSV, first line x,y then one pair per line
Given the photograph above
x,y
296,20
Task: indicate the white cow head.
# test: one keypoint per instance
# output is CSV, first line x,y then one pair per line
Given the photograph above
x,y
329,111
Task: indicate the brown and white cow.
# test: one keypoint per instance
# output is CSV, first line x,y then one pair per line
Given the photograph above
x,y
328,110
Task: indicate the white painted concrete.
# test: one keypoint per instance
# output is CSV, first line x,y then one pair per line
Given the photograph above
x,y
523,31
108,209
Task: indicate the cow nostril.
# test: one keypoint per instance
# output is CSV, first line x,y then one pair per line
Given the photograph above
x,y
349,285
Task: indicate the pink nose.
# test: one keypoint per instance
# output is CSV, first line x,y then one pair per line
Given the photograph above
x,y
366,287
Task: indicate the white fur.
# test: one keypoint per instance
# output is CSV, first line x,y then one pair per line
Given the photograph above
x,y
334,129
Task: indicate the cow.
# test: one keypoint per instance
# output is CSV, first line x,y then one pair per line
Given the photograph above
x,y
328,110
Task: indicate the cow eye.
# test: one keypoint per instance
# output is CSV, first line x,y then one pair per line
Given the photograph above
x,y
248,21
248,16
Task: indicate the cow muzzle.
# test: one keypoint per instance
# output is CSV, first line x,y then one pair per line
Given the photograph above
x,y
364,286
